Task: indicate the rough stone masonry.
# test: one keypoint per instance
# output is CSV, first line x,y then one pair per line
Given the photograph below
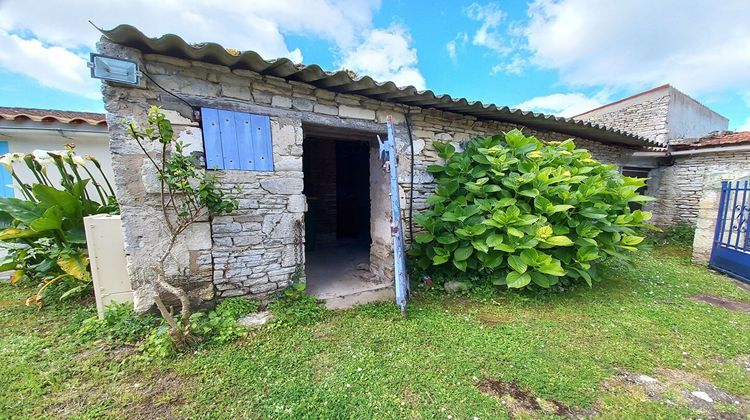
x,y
253,251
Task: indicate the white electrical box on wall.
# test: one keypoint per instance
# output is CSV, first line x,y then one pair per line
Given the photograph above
x,y
109,269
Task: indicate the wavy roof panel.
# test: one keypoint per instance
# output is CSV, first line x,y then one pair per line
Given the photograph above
x,y
341,82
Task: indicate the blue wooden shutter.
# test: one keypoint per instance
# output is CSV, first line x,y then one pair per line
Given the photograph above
x,y
229,148
237,140
261,140
244,126
6,181
212,139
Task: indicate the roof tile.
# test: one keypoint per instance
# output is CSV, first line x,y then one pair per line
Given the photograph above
x,y
52,115
721,138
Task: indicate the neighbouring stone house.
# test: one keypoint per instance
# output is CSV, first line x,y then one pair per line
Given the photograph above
x,y
696,154
325,188
662,114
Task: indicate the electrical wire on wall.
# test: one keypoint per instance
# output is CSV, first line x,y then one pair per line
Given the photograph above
x,y
411,180
196,112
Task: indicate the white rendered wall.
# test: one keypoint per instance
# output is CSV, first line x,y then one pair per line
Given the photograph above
x,y
28,140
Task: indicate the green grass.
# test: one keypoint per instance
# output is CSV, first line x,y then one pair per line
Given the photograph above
x,y
368,362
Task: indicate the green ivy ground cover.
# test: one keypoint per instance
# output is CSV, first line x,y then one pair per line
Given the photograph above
x,y
565,349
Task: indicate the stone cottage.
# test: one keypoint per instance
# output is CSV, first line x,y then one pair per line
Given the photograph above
x,y
696,153
314,194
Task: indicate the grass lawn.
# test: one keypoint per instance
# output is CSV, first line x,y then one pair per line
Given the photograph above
x,y
577,353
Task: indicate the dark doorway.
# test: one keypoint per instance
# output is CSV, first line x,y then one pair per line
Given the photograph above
x,y
636,172
337,223
353,191
337,187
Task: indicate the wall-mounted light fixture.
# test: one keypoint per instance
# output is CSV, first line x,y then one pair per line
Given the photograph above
x,y
114,69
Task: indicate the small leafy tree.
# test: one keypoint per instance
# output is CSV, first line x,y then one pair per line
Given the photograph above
x,y
523,213
43,233
188,194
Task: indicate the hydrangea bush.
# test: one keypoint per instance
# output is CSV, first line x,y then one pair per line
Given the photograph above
x,y
527,214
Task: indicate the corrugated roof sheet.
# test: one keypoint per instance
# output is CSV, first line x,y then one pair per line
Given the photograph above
x,y
721,138
52,115
341,82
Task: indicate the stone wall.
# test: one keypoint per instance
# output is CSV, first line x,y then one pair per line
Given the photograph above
x,y
137,189
254,250
647,116
662,114
682,184
257,248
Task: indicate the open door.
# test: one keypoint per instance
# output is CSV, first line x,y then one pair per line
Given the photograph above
x,y
401,281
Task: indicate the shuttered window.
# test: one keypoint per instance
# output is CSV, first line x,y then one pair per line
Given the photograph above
x,y
237,140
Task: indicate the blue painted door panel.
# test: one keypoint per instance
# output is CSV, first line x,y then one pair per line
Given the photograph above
x,y
237,140
6,180
401,281
731,250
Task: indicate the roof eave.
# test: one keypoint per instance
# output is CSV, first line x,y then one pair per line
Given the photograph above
x,y
339,81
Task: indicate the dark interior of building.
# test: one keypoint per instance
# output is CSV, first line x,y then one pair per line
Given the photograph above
x,y
337,186
337,223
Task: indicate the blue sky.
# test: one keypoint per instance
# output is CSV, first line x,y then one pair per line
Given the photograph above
x,y
554,56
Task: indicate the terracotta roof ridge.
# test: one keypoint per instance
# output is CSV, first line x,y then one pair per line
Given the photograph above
x,y
52,115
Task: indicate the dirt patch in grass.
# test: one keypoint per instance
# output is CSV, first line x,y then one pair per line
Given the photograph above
x,y
520,402
492,318
322,365
741,284
744,362
157,398
677,388
723,303
5,304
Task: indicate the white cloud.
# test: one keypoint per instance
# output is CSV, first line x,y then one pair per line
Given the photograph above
x,y
451,47
515,66
386,55
259,25
699,47
460,40
488,35
745,126
49,40
53,67
563,104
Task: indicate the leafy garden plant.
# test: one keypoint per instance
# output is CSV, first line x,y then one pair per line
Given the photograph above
x,y
43,232
121,325
294,306
527,214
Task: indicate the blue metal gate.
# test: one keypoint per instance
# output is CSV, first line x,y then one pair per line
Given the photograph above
x,y
731,250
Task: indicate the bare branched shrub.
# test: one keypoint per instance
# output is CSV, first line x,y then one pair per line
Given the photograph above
x,y
188,194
